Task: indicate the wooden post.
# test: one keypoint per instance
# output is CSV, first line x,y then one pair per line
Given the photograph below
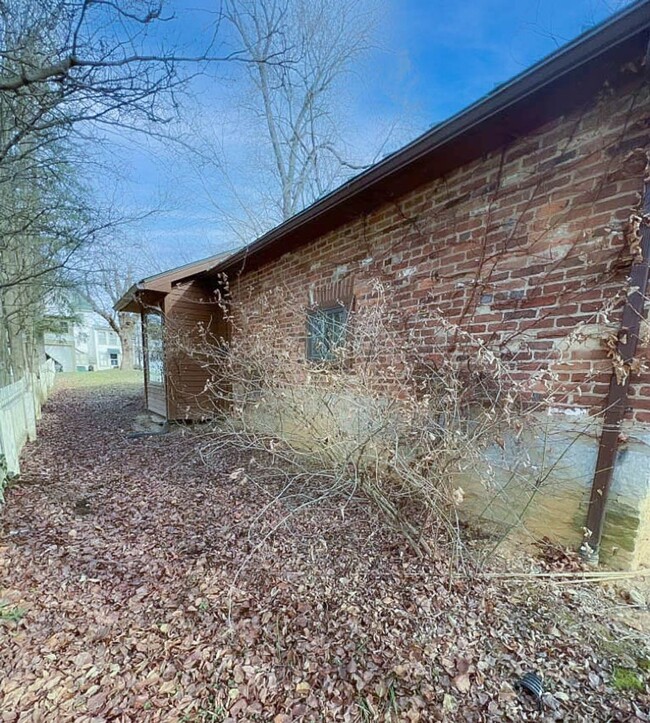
x,y
628,338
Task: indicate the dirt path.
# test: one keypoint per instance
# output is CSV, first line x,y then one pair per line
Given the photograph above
x,y
134,588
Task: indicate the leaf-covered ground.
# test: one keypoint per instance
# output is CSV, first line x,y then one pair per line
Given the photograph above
x,y
137,585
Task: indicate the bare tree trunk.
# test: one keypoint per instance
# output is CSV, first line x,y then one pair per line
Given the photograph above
x,y
127,351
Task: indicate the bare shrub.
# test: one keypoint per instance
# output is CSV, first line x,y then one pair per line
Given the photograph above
x,y
410,409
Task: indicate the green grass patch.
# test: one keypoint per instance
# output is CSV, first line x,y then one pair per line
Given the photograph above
x,y
11,615
109,378
366,710
627,679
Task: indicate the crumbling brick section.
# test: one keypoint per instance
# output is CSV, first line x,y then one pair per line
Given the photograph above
x,y
526,248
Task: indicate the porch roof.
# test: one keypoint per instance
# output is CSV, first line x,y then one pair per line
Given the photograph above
x,y
152,290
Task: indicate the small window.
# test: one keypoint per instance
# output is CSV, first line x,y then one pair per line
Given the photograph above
x,y
101,338
115,362
326,331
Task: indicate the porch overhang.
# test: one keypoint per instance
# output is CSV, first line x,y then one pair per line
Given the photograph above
x,y
151,291
137,300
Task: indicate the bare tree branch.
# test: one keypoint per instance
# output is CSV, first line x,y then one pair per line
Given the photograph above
x,y
296,99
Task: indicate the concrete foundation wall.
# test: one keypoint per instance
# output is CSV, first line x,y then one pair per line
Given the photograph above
x,y
537,485
548,495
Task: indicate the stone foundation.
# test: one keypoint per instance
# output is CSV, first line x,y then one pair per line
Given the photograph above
x,y
549,493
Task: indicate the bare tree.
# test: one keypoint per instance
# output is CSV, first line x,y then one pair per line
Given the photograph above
x,y
64,68
69,68
296,100
108,270
103,293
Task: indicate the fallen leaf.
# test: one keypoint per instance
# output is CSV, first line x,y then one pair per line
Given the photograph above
x,y
462,682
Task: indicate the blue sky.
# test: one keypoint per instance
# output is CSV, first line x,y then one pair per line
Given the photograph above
x,y
430,59
453,53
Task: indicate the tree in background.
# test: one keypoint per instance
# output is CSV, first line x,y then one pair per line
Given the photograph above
x,y
297,100
106,273
69,69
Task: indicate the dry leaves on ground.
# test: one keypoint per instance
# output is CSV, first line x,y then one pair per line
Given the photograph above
x,y
136,586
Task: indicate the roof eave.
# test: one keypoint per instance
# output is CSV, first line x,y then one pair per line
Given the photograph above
x,y
627,24
128,299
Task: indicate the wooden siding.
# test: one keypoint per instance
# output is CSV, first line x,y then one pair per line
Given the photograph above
x,y
189,310
156,401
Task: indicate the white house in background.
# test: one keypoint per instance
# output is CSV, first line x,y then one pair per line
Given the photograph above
x,y
104,349
59,343
81,340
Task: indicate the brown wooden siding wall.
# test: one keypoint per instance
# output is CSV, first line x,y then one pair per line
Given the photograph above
x,y
156,402
190,311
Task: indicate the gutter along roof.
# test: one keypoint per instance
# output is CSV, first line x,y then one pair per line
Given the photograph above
x,y
564,80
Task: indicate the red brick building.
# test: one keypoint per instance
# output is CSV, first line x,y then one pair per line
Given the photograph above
x,y
519,221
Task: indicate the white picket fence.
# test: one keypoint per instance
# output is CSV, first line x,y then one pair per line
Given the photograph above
x,y
20,408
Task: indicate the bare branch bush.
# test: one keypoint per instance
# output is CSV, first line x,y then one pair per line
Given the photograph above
x,y
396,418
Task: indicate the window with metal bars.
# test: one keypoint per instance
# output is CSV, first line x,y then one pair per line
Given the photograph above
x,y
326,332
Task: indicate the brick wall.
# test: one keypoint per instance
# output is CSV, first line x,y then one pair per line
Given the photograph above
x,y
525,248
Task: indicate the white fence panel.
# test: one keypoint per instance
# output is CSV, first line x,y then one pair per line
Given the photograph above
x,y
20,407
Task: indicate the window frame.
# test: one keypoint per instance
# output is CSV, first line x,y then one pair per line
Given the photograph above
x,y
149,353
331,351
